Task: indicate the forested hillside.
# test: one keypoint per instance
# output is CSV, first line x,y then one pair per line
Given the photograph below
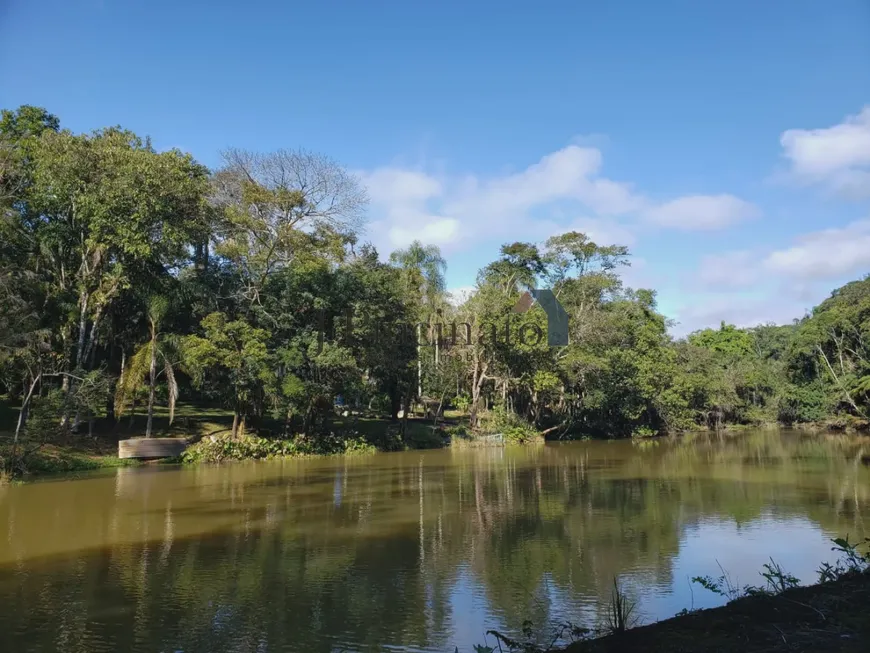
x,y
132,277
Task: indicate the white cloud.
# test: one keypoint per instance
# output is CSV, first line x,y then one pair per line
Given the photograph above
x,y
543,199
461,294
389,186
702,212
837,157
565,175
432,230
747,287
637,274
820,256
827,254
730,270
460,212
401,199
735,308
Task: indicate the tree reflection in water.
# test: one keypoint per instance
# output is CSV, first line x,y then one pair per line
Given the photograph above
x,y
414,549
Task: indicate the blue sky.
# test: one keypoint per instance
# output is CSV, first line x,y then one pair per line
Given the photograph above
x,y
726,143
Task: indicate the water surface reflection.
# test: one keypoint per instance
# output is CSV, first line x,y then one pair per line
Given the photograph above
x,y
424,550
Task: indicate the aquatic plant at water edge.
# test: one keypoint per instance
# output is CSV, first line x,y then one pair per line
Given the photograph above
x,y
851,560
620,612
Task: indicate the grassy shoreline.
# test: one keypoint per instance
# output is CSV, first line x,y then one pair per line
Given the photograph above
x,y
55,460
208,431
204,425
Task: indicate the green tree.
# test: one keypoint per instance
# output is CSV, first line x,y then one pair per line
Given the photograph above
x,y
233,357
727,340
102,211
19,133
423,270
281,208
833,345
159,350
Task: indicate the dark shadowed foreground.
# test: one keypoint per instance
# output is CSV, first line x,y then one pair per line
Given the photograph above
x,y
828,617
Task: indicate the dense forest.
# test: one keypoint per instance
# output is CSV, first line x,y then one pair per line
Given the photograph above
x,y
133,279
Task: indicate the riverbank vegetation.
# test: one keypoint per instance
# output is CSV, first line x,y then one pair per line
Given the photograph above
x,y
134,280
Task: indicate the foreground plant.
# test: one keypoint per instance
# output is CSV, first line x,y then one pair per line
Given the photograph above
x,y
565,632
851,561
620,613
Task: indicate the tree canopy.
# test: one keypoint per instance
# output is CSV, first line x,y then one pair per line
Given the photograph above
x,y
127,272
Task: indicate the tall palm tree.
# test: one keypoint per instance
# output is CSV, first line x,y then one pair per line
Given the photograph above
x,y
423,268
144,363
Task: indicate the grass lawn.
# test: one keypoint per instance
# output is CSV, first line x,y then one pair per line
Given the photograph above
x,y
189,420
83,452
81,456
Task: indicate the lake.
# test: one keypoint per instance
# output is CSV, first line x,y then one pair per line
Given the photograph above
x,y
420,551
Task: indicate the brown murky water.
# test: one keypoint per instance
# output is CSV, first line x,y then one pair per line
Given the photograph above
x,y
412,551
